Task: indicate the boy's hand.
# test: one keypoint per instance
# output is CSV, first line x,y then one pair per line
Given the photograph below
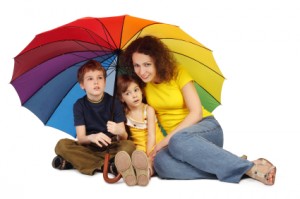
x,y
100,139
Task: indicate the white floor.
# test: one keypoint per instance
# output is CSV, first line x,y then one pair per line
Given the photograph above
x,y
256,45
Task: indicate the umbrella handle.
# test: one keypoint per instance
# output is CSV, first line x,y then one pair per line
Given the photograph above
x,y
105,171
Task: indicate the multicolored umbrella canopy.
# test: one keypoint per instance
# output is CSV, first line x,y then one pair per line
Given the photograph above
x,y
45,71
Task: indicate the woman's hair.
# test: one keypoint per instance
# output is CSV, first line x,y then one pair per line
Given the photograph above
x,y
163,59
90,65
123,82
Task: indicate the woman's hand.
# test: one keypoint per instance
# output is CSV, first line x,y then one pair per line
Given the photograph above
x,y
158,147
162,144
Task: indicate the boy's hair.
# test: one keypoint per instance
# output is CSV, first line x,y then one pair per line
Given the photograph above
x,y
90,65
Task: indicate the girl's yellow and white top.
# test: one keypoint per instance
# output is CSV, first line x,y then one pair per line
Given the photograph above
x,y
168,102
139,131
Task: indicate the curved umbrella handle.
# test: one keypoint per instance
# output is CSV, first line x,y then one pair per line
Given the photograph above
x,y
105,171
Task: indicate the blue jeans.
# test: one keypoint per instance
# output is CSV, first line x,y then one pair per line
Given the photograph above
x,y
196,153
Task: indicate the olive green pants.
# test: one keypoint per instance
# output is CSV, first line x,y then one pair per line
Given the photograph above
x,y
88,158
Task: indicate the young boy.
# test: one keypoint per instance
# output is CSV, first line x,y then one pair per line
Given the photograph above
x,y
94,130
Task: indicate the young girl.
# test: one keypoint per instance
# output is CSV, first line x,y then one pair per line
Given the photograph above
x,y
144,131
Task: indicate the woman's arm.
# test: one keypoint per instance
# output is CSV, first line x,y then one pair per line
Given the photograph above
x,y
194,106
151,139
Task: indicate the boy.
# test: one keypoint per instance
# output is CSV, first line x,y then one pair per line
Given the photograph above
x,y
94,130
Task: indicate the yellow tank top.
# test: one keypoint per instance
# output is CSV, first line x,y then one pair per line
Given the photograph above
x,y
139,131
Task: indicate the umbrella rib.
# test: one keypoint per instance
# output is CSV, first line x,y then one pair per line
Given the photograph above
x,y
191,57
122,29
208,93
89,32
200,63
85,48
107,34
76,41
178,39
137,34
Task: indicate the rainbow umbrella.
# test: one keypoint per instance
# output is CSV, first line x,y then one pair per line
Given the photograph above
x,y
45,71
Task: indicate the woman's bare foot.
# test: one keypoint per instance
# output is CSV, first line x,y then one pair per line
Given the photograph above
x,y
263,171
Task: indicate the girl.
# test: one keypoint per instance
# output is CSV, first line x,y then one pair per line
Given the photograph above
x,y
144,131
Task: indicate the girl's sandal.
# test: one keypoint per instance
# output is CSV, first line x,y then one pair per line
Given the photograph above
x,y
262,171
141,165
124,167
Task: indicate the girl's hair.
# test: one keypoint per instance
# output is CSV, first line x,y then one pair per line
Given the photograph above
x,y
90,65
163,59
123,83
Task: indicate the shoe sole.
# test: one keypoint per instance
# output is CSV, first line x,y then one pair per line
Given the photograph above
x,y
124,167
141,165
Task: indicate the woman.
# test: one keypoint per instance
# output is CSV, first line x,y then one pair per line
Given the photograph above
x,y
192,148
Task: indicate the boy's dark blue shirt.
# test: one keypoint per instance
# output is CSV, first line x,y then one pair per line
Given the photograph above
x,y
96,115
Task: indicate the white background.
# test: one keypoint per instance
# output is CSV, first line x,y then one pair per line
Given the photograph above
x,y
256,45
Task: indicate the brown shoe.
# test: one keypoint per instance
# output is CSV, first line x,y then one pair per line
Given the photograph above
x,y
142,167
124,167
